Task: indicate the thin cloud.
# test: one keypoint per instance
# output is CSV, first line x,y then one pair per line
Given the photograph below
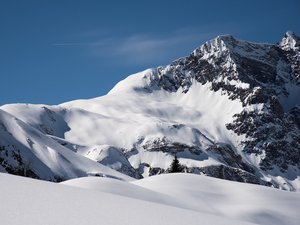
x,y
141,49
149,49
72,44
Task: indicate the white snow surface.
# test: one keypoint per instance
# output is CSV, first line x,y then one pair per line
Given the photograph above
x,y
48,158
153,114
126,116
161,200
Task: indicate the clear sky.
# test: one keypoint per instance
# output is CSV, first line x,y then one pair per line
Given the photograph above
x,y
57,50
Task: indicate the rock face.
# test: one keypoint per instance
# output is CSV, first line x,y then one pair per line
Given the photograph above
x,y
231,109
261,77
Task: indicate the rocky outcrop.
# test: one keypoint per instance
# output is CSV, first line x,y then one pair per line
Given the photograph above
x,y
257,74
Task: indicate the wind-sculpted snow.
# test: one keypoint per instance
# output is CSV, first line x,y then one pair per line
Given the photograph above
x,y
245,202
99,201
229,110
163,199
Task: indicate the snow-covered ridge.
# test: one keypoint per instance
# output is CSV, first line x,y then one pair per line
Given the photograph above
x,y
138,81
222,55
227,110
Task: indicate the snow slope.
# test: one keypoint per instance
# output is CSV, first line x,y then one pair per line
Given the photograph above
x,y
143,118
244,202
163,199
28,152
36,202
247,202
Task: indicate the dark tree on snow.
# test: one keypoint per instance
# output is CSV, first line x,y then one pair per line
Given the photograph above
x,y
176,167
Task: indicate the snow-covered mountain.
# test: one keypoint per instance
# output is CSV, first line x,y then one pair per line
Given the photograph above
x,y
231,109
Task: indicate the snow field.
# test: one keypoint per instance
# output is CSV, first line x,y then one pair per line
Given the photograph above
x,y
34,202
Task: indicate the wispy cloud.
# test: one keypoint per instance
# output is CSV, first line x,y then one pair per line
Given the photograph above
x,y
71,44
139,49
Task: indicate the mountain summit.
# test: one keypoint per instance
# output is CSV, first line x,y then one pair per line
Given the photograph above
x,y
290,42
230,109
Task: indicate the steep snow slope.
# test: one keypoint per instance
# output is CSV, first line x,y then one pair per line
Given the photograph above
x,y
161,114
34,202
160,117
28,152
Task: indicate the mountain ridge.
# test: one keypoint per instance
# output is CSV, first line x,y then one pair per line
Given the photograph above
x,y
228,110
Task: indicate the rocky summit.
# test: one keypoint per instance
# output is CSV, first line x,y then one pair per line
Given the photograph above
x,y
230,109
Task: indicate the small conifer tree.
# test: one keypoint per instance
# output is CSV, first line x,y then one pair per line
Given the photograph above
x,y
176,167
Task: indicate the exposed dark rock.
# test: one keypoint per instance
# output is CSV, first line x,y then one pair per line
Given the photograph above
x,y
228,156
230,173
13,162
165,145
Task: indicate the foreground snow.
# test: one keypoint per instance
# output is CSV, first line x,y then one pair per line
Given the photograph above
x,y
165,199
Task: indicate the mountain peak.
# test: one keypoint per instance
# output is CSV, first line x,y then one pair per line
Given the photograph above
x,y
290,41
226,37
216,46
291,34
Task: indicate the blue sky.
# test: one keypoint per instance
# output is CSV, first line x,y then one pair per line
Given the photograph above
x,y
57,50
